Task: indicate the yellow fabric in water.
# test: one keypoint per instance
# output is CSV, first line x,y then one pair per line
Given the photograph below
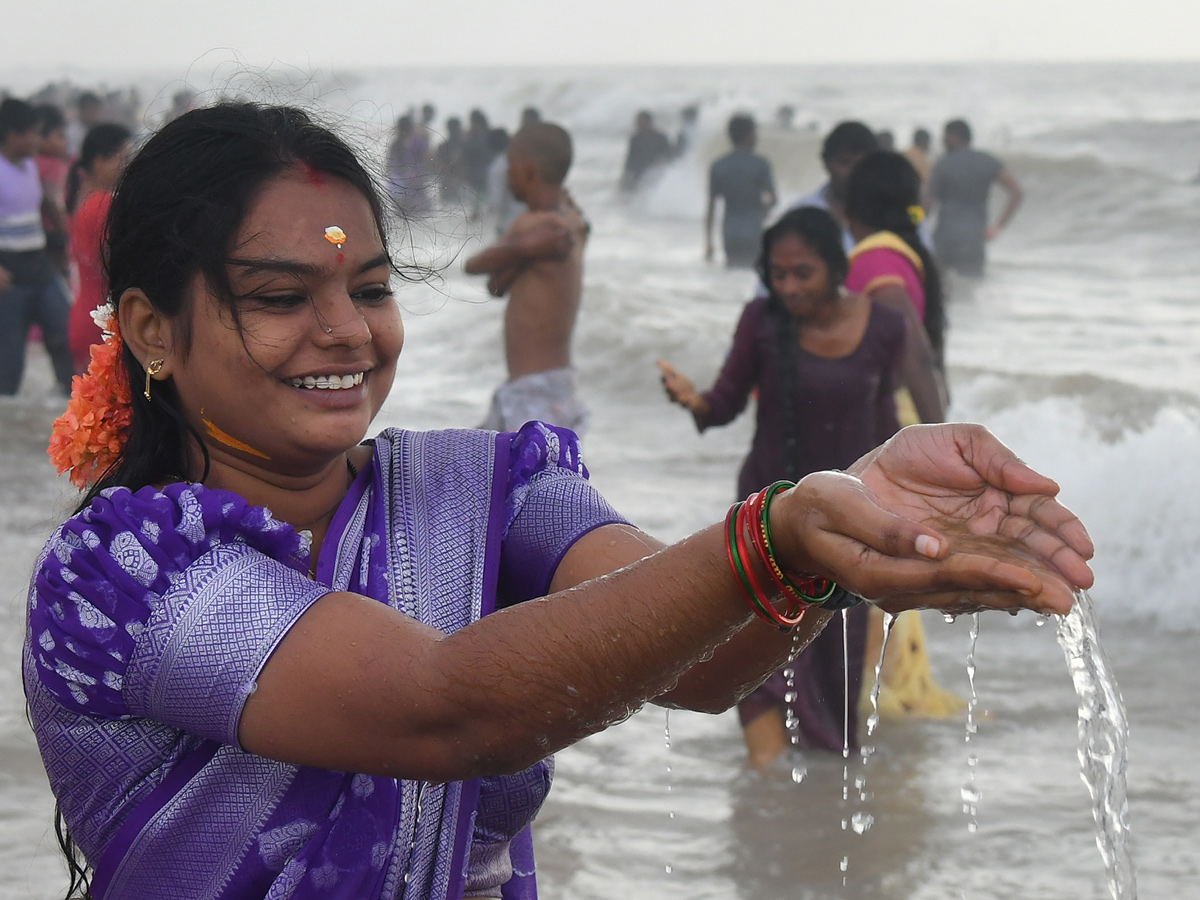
x,y
907,687
906,410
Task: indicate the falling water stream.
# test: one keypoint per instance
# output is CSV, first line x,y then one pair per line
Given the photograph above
x,y
1103,742
670,786
970,791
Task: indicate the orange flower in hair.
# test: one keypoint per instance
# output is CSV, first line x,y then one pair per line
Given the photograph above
x,y
89,436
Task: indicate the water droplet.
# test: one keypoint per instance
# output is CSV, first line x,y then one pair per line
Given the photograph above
x,y
972,826
790,697
860,782
845,864
845,824
862,822
572,690
799,773
949,617
669,870
1042,619
970,795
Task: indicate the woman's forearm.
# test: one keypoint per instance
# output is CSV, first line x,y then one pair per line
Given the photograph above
x,y
359,687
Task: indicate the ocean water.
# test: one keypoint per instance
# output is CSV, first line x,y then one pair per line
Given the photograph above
x,y
1081,350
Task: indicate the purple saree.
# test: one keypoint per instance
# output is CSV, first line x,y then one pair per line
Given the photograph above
x,y
152,613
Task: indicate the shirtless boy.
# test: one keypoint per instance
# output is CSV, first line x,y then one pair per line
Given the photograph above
x,y
538,262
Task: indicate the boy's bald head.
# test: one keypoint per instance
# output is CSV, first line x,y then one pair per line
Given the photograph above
x,y
548,147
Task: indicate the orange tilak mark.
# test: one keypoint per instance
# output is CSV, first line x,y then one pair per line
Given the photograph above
x,y
229,440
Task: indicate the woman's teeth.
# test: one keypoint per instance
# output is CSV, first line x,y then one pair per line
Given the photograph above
x,y
328,382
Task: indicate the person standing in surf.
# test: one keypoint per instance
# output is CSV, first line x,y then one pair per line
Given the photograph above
x,y
825,363
959,188
891,265
538,262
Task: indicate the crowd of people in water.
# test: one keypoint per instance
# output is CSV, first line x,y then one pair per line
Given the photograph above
x,y
243,253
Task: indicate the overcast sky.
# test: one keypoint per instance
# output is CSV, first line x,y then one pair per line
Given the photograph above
x,y
157,34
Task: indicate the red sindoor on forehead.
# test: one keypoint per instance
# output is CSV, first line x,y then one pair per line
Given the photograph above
x,y
314,176
341,257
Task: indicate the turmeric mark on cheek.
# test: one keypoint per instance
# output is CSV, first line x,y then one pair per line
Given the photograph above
x,y
229,440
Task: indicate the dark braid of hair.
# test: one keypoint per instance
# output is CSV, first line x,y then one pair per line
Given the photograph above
x,y
817,228
935,309
786,350
78,870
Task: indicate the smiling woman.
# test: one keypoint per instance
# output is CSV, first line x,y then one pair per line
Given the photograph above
x,y
265,658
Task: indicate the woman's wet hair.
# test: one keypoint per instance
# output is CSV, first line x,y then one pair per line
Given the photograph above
x,y
882,193
821,232
848,138
817,228
175,215
102,141
50,119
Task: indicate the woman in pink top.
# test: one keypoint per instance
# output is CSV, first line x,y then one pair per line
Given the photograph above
x,y
101,161
891,265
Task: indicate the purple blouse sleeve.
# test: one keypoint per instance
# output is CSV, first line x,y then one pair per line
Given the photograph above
x,y
549,506
166,605
740,372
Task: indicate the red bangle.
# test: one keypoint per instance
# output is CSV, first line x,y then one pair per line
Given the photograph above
x,y
739,555
740,566
812,589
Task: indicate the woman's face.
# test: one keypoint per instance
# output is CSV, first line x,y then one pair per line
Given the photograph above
x,y
320,331
799,277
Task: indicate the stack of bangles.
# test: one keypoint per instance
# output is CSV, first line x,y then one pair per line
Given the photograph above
x,y
748,528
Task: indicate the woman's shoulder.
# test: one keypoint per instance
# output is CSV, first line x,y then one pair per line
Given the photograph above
x,y
884,249
108,568
90,215
535,445
535,449
887,325
755,312
159,530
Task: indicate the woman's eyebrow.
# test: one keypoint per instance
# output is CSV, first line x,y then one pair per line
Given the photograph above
x,y
253,265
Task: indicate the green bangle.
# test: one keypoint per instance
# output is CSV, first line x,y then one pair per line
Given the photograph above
x,y
739,565
830,586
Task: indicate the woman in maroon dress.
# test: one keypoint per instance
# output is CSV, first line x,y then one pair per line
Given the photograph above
x,y
825,364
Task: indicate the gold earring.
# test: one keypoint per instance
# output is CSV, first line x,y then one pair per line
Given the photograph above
x,y
153,368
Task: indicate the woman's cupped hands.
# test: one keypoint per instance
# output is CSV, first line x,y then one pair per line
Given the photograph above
x,y
943,517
